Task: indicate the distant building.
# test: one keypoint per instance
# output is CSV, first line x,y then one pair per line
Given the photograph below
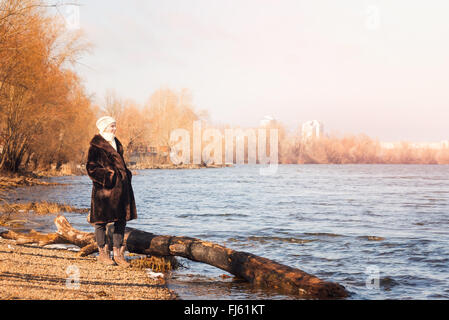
x,y
312,129
266,121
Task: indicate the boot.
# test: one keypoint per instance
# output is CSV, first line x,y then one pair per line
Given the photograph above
x,y
104,257
119,257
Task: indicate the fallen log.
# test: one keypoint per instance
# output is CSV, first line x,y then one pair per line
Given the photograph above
x,y
254,269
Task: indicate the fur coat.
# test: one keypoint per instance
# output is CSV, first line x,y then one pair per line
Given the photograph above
x,y
112,194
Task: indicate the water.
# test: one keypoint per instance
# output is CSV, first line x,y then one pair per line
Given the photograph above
x,y
343,223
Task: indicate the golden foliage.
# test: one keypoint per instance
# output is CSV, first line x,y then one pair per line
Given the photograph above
x,y
44,109
361,150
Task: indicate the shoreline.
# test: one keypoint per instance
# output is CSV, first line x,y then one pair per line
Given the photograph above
x,y
179,166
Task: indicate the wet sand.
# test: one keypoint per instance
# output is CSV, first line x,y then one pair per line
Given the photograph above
x,y
38,273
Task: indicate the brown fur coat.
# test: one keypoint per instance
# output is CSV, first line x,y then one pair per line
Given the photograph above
x,y
112,194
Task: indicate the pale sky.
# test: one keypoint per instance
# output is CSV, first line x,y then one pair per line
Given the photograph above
x,y
374,67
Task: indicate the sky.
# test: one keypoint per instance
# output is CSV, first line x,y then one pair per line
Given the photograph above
x,y
375,67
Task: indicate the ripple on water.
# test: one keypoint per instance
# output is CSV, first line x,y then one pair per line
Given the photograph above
x,y
323,234
371,238
270,239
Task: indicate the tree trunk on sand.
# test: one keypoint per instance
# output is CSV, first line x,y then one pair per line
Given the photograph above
x,y
256,270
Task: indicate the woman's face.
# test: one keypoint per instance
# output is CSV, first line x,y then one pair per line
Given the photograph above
x,y
111,128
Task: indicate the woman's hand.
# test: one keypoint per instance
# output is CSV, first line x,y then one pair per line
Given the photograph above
x,y
123,174
110,182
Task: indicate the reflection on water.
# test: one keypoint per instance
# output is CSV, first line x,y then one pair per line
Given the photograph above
x,y
334,221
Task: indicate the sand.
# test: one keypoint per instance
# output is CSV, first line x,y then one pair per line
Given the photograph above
x,y
35,273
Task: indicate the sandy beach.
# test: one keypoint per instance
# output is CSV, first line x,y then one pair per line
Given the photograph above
x,y
37,273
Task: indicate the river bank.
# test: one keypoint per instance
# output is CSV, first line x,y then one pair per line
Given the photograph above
x,y
11,181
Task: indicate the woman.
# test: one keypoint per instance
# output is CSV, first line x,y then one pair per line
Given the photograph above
x,y
112,194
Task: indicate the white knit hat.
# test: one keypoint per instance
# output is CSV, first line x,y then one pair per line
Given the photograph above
x,y
104,122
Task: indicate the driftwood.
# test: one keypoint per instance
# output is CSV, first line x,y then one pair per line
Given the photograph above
x,y
33,236
256,270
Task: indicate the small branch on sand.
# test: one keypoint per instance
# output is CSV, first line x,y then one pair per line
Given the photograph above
x,y
256,270
42,239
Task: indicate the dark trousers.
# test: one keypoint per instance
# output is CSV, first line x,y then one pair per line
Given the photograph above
x,y
117,237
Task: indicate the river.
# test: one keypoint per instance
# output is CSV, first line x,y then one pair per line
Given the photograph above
x,y
379,230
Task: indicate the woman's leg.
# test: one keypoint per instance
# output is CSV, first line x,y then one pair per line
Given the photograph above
x,y
119,233
117,239
100,234
103,250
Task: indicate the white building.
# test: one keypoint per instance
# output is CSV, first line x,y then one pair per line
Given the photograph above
x,y
266,121
312,129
